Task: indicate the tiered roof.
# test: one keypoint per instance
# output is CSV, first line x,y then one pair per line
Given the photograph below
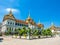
x,y
40,25
9,16
28,20
52,26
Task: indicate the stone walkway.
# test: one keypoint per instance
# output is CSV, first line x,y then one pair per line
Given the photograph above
x,y
47,41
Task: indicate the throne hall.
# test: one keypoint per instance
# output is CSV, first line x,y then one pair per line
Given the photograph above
x,y
11,23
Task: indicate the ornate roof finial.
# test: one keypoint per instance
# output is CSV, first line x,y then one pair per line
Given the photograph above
x,y
29,15
39,21
10,11
52,24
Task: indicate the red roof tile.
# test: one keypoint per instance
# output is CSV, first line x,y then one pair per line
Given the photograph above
x,y
21,21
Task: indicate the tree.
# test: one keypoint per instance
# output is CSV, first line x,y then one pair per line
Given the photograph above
x,y
43,32
35,32
16,31
29,31
49,33
46,32
8,32
39,33
24,31
20,33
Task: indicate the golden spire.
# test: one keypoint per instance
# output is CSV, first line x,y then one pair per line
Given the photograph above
x,y
29,15
29,19
39,21
10,11
52,24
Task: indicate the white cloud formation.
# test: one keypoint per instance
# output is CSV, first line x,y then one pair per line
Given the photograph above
x,y
13,10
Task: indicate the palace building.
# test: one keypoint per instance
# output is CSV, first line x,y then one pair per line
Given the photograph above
x,y
11,23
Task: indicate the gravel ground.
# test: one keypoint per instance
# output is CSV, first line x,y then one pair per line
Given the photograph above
x,y
46,41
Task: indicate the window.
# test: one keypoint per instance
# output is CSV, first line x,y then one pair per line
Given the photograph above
x,y
15,23
8,22
20,24
26,25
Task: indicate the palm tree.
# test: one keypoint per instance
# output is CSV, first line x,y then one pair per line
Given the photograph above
x,y
8,32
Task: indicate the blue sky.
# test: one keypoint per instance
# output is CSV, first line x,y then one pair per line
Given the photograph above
x,y
46,11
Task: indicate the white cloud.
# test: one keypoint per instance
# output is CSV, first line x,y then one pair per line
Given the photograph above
x,y
13,10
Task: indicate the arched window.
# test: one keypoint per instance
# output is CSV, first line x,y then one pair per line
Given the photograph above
x,y
15,23
8,22
20,24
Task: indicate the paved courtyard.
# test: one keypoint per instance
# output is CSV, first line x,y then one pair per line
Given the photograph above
x,y
47,41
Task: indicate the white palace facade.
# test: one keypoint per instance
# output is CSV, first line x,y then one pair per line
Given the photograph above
x,y
11,23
